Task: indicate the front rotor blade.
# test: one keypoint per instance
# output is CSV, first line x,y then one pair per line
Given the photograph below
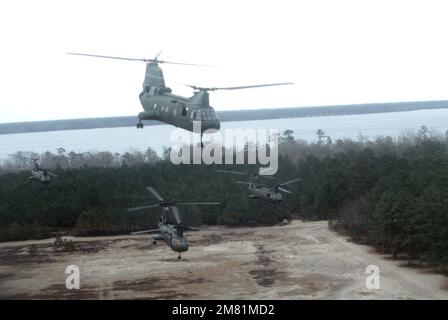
x,y
176,215
253,86
289,182
155,193
108,57
143,207
199,203
284,190
234,172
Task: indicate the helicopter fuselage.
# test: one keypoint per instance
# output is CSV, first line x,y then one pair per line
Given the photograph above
x,y
159,104
173,236
40,175
263,193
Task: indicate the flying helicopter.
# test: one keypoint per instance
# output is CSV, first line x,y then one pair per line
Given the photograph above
x,y
41,175
260,191
172,232
159,103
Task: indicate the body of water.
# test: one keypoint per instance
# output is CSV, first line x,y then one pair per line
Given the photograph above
x,y
125,139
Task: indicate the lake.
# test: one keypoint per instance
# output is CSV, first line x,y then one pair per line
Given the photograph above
x,y
129,138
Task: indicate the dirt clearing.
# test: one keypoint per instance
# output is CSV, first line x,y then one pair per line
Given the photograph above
x,y
297,261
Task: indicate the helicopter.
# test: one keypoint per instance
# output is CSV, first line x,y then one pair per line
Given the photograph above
x,y
261,192
172,232
159,103
41,175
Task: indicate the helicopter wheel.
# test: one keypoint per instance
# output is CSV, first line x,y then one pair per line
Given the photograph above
x,y
154,242
179,257
139,125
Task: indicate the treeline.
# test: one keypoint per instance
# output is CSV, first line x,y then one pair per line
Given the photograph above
x,y
392,194
389,194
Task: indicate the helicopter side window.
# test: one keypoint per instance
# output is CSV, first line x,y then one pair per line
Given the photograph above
x,y
184,110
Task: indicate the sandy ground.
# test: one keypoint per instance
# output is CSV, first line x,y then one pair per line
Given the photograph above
x,y
298,261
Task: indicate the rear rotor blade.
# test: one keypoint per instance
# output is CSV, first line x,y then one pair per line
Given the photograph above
x,y
182,63
284,190
158,54
234,172
190,228
198,203
143,207
108,57
289,182
134,59
155,193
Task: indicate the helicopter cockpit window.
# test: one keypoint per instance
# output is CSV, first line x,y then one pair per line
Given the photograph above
x,y
213,115
152,90
206,115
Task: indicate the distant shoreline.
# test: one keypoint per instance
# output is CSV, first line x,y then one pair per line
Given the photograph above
x,y
236,115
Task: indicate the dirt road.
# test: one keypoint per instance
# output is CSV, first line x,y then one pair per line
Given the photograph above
x,y
298,261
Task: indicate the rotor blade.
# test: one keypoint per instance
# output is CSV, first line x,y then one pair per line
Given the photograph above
x,y
264,177
289,182
155,193
253,86
108,57
176,215
143,207
284,190
182,63
242,182
52,174
158,54
146,231
200,203
190,228
134,59
234,172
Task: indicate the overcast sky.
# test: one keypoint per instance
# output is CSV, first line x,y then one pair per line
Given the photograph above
x,y
336,52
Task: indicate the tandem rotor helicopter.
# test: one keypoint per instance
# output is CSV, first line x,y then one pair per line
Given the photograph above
x,y
42,175
172,232
261,192
160,104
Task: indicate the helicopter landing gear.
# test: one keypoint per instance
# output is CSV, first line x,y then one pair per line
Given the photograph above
x,y
140,124
154,242
179,257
